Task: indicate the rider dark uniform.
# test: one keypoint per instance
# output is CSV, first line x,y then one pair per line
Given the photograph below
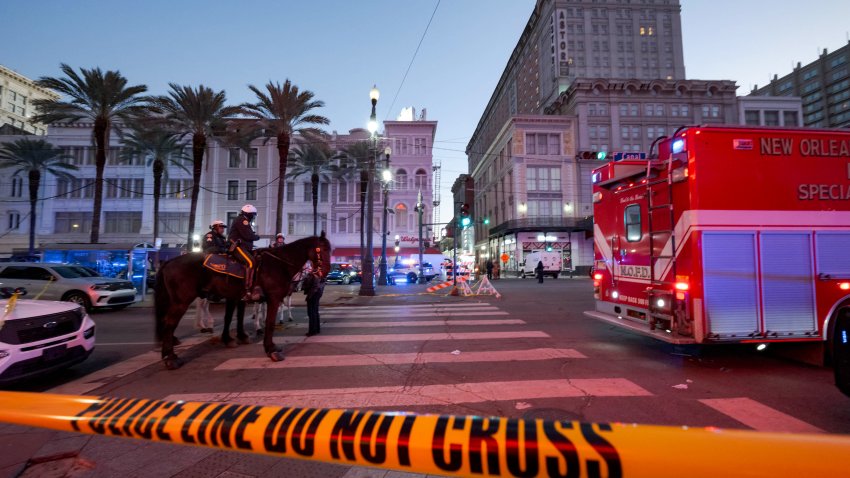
x,y
242,236
214,241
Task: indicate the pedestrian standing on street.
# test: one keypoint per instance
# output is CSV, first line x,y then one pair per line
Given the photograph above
x,y
489,267
242,237
203,319
539,271
313,286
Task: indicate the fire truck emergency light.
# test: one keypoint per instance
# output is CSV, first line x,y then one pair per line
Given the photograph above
x,y
678,146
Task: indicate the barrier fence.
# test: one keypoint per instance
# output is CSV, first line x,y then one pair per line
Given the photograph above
x,y
442,445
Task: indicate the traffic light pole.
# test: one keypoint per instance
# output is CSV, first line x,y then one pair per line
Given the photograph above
x,y
419,208
454,249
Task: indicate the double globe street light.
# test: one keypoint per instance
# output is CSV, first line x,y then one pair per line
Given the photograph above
x,y
367,283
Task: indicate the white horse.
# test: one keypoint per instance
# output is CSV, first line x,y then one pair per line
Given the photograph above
x,y
260,307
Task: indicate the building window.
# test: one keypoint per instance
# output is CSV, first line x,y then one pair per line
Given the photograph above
x,y
308,193
751,117
177,223
231,216
544,207
251,190
632,223
177,188
401,179
401,216
342,192
252,159
418,146
302,224
232,190
72,222
323,192
124,188
290,192
233,158
771,118
14,222
543,178
790,118
342,224
420,181
542,144
121,222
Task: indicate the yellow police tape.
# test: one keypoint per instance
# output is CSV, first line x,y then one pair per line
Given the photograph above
x,y
442,445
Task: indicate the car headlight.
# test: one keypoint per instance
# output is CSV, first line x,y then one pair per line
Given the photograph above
x,y
89,332
100,287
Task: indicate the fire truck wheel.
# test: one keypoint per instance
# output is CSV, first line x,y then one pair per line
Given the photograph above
x,y
840,342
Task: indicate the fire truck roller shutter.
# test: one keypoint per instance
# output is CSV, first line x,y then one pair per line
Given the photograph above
x,y
731,291
788,283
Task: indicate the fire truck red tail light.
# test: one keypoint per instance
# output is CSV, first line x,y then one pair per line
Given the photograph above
x,y
682,286
597,276
844,286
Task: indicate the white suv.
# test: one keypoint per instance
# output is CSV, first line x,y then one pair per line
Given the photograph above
x,y
411,272
68,282
38,336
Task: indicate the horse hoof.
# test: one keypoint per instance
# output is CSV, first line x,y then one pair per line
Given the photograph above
x,y
277,356
231,345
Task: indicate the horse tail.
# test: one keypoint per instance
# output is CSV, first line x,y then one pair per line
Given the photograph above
x,y
161,302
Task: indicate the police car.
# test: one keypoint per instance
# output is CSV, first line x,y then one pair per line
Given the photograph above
x,y
39,336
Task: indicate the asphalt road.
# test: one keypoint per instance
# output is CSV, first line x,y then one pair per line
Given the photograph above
x,y
615,375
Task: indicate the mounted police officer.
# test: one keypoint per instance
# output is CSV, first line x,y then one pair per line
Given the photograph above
x,y
242,237
214,241
279,240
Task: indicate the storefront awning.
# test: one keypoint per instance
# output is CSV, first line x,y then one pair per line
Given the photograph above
x,y
404,251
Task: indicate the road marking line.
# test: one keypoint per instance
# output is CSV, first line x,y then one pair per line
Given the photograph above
x,y
533,334
410,311
408,306
404,396
425,323
401,314
302,361
759,417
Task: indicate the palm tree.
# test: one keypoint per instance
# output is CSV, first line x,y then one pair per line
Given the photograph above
x,y
354,162
313,159
197,113
100,97
160,149
34,156
281,112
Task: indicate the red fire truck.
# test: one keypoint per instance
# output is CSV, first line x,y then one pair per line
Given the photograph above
x,y
729,235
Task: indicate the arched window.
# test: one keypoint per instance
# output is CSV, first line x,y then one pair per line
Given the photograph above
x,y
420,180
400,216
401,179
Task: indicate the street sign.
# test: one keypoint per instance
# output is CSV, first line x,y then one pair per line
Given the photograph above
x,y
619,156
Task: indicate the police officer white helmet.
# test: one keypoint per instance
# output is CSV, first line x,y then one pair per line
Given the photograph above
x,y
216,223
249,211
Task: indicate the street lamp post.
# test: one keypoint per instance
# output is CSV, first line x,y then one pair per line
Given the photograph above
x,y
419,208
367,283
386,177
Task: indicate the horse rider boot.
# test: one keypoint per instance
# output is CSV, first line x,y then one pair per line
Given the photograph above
x,y
242,237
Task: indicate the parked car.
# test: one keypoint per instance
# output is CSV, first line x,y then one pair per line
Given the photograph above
x,y
342,273
39,336
68,282
410,272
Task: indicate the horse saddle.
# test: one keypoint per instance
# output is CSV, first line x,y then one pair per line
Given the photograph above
x,y
224,264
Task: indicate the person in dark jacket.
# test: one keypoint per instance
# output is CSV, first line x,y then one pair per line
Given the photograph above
x,y
539,271
314,287
242,237
489,267
279,240
214,241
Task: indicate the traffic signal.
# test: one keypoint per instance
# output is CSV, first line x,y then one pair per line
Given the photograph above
x,y
548,248
486,221
598,155
465,220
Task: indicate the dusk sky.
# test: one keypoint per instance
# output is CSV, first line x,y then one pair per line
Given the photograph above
x,y
338,49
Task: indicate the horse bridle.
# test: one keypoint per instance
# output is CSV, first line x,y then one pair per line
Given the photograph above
x,y
319,267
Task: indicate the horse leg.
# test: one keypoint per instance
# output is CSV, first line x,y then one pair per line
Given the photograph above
x,y
226,339
172,318
241,336
275,353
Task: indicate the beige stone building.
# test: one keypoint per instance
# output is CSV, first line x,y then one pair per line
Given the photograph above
x,y
16,95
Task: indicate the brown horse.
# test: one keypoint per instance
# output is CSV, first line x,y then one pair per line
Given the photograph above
x,y
184,278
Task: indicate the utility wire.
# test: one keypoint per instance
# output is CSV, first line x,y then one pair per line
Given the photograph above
x,y
411,60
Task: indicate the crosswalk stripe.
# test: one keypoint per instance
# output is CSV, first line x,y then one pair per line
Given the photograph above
x,y
407,306
302,361
533,334
759,417
400,314
355,310
424,323
404,396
